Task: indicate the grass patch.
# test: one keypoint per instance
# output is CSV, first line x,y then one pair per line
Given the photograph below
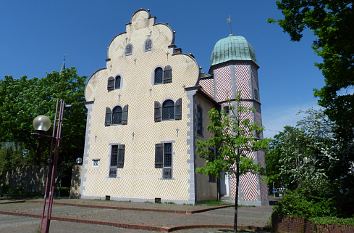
x,y
333,220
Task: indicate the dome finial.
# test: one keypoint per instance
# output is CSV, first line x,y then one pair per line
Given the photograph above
x,y
229,22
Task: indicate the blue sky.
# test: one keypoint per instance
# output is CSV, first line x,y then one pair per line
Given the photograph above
x,y
35,36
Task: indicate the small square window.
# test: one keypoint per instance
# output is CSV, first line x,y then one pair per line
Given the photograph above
x,y
95,162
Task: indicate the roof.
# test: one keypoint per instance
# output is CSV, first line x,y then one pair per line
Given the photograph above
x,y
232,48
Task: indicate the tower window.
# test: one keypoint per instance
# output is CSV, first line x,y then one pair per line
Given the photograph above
x,y
128,49
114,83
256,96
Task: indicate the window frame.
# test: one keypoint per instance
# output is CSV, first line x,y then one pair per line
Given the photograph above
x,y
117,114
148,45
128,49
113,169
167,158
168,112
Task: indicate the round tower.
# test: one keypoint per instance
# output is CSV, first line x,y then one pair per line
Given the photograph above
x,y
235,71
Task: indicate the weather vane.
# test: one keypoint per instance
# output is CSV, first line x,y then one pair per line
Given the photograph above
x,y
229,22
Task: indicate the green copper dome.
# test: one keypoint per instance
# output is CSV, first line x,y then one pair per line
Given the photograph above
x,y
232,48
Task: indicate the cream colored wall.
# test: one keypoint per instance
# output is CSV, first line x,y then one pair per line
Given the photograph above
x,y
139,179
205,189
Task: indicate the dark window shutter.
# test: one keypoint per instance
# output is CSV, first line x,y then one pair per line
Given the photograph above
x,y
157,111
110,84
121,154
167,75
158,155
158,75
117,82
108,117
178,109
125,115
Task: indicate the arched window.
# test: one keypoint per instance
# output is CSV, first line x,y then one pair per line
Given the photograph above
x,y
110,84
148,45
158,75
117,82
167,74
128,49
117,115
168,110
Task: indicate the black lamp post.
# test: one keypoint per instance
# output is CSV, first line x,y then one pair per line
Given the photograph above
x,y
42,124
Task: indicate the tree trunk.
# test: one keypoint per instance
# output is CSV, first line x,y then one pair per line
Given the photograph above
x,y
236,194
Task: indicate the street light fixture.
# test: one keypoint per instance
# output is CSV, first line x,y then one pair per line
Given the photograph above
x,y
42,124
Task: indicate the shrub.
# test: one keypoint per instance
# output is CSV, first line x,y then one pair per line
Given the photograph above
x,y
297,204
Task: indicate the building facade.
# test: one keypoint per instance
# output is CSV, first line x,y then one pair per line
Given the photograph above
x,y
146,109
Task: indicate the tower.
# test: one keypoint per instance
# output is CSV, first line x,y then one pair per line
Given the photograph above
x,y
234,70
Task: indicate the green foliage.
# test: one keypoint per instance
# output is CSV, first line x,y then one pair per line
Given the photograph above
x,y
299,157
333,220
298,204
21,100
330,21
234,138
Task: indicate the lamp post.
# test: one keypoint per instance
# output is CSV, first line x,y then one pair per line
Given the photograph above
x,y
42,124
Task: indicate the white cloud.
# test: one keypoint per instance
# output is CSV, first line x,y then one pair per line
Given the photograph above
x,y
275,118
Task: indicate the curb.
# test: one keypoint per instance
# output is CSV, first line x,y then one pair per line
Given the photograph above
x,y
10,202
187,212
134,226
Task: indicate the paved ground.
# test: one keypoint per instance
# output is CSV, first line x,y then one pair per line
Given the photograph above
x,y
248,216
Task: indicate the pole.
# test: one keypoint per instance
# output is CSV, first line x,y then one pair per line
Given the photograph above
x,y
52,166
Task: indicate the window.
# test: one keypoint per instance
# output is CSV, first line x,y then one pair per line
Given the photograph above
x,y
95,162
163,75
117,159
226,109
199,120
163,159
158,75
167,75
117,82
148,45
114,83
168,110
256,94
128,49
117,115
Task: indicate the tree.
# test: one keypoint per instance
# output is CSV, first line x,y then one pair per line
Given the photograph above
x,y
234,138
331,23
21,100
